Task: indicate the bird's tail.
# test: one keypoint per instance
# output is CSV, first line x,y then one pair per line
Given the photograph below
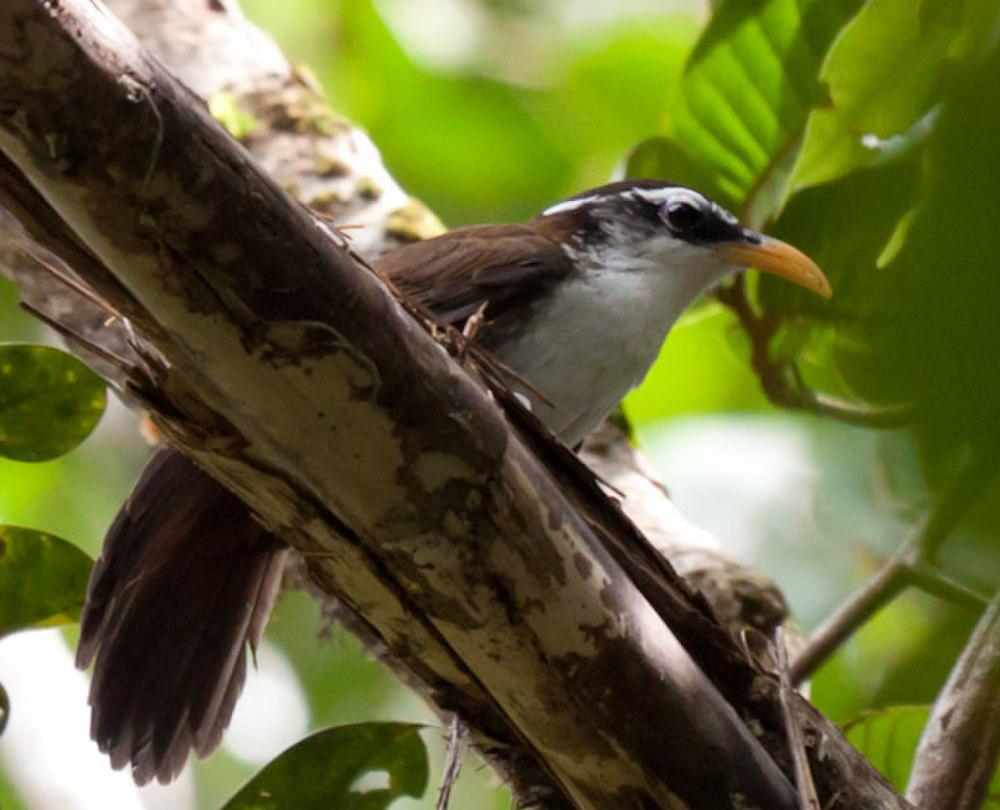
x,y
185,582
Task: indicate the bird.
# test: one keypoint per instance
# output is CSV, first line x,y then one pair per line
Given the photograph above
x,y
577,303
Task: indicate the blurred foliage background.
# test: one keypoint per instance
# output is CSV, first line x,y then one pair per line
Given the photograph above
x,y
863,131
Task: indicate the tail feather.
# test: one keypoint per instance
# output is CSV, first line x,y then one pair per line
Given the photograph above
x,y
185,582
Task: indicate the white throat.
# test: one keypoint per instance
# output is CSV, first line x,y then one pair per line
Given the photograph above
x,y
599,332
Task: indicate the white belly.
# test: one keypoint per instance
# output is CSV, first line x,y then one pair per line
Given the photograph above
x,y
586,351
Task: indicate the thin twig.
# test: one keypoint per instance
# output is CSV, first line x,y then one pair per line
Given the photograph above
x,y
881,589
808,800
910,565
452,765
853,413
959,748
67,280
78,340
783,383
928,579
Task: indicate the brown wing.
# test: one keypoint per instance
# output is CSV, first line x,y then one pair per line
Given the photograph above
x,y
455,274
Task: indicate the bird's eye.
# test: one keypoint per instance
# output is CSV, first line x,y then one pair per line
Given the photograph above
x,y
681,216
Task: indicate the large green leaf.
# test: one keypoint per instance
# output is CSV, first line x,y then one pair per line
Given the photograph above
x,y
938,325
882,74
748,90
907,323
662,157
322,770
830,339
888,738
43,579
845,227
49,402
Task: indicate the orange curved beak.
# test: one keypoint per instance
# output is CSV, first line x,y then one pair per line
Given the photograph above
x,y
779,259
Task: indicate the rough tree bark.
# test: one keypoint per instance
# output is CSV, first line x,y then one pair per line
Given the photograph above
x,y
480,557
960,746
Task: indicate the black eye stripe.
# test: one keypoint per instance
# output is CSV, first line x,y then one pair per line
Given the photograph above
x,y
701,221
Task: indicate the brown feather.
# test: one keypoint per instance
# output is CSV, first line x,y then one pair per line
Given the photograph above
x,y
183,585
453,275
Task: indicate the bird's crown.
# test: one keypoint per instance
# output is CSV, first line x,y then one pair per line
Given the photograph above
x,y
646,205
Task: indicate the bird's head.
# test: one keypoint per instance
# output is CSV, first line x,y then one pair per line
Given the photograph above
x,y
651,227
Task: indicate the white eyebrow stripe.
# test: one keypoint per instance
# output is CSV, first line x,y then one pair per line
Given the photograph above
x,y
655,195
658,195
570,205
650,195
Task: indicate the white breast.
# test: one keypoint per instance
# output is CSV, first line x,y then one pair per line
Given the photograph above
x,y
595,338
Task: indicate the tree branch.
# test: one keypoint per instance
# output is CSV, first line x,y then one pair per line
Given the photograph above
x,y
783,384
912,564
960,746
887,583
808,800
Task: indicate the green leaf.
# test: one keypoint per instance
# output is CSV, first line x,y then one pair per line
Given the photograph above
x,y
748,90
320,771
660,157
49,402
937,325
678,384
889,737
882,74
43,579
823,222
